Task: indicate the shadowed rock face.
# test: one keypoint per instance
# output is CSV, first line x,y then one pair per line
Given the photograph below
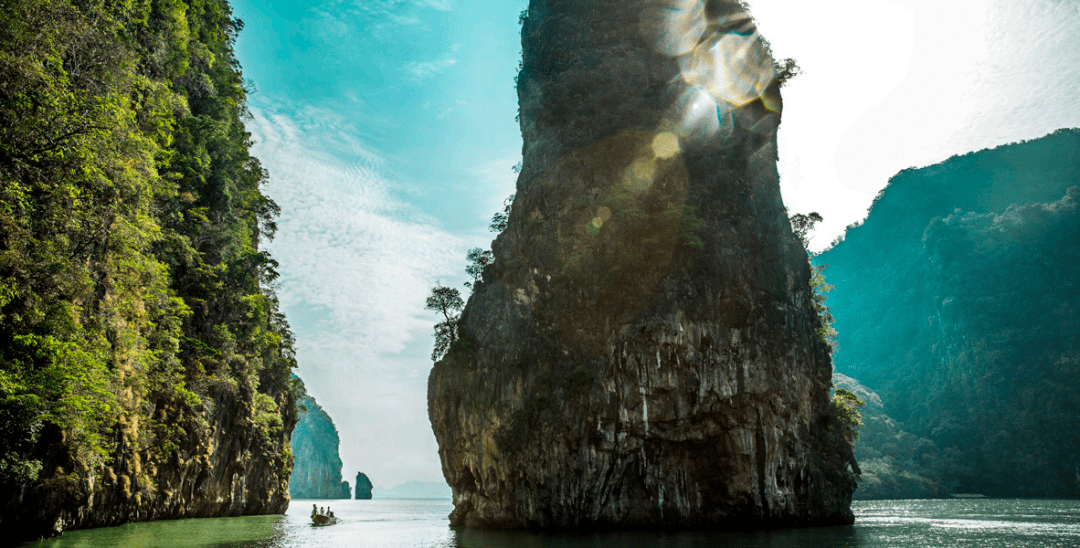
x,y
643,351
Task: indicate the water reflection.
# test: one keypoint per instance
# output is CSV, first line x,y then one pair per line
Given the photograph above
x,y
238,532
423,524
817,537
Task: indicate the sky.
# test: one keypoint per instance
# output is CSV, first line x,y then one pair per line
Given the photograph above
x,y
388,130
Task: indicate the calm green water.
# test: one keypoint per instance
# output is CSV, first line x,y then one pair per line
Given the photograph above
x,y
423,524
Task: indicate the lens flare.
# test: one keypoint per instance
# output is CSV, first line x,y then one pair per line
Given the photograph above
x,y
735,68
678,25
597,222
640,174
718,49
665,145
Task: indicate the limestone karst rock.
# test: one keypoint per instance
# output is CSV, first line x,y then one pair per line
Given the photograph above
x,y
317,464
363,487
144,359
643,352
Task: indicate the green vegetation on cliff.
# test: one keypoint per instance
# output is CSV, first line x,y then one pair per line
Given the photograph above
x,y
134,300
956,302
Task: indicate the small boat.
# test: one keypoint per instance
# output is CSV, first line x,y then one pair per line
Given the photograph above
x,y
323,519
322,516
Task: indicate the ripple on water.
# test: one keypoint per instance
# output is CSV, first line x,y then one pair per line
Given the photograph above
x,y
424,524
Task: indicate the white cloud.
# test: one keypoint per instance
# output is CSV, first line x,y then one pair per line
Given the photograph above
x,y
908,83
441,5
340,18
357,263
427,69
498,179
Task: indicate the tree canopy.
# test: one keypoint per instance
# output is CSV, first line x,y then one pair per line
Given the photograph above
x,y
133,292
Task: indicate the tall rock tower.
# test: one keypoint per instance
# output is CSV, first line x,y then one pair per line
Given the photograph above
x,y
317,466
643,352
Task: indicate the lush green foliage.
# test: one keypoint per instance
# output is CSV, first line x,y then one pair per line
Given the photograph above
x,y
895,463
132,289
801,225
956,302
820,289
845,413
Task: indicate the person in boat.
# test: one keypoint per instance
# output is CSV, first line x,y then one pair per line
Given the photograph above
x,y
314,510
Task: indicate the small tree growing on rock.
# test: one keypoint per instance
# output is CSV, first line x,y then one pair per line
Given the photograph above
x,y
445,300
478,260
846,415
499,220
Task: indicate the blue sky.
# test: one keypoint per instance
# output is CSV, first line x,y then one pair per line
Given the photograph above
x,y
388,130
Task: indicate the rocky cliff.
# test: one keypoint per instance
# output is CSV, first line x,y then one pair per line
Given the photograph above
x,y
643,352
317,469
226,464
144,362
363,487
956,302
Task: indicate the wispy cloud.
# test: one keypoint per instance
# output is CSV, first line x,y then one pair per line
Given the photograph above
x,y
441,5
357,263
426,69
498,178
341,16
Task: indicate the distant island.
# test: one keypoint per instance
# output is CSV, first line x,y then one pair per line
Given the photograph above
x,y
317,465
363,486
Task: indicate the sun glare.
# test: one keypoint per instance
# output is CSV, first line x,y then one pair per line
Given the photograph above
x,y
720,53
665,145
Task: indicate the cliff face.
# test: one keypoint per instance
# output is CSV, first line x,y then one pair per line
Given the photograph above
x,y
317,469
363,486
956,302
643,353
144,364
225,465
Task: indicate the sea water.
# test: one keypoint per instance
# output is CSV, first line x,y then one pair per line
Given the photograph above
x,y
423,524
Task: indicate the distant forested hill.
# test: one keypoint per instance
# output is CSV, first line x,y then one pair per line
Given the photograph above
x,y
144,364
958,302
